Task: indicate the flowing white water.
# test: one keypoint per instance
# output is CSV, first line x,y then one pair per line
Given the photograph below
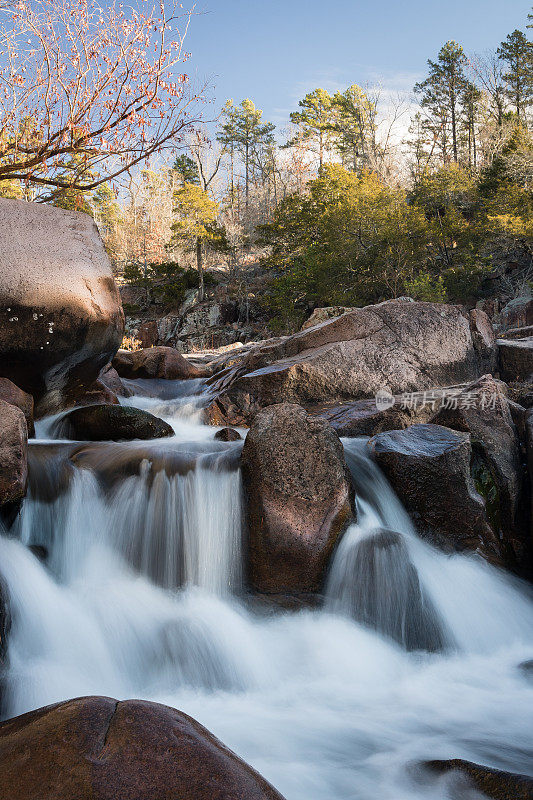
x,y
139,597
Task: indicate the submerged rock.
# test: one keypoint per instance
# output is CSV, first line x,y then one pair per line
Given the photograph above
x,y
156,362
111,423
493,783
96,748
381,589
396,346
228,435
428,466
299,498
61,318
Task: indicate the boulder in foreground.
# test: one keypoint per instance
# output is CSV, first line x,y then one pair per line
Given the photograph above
x,y
98,423
155,362
95,748
299,498
61,319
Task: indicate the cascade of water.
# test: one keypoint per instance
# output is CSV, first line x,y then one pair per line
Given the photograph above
x,y
386,577
176,522
324,703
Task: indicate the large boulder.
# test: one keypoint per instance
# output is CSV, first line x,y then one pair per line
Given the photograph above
x,y
428,466
13,455
492,783
394,346
96,748
516,359
17,397
155,362
299,498
98,423
61,319
483,410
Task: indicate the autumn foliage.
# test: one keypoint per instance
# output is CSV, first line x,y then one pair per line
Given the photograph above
x,y
87,90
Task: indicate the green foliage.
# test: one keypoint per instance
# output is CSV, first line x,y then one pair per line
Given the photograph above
x,y
442,91
352,240
167,279
517,54
186,169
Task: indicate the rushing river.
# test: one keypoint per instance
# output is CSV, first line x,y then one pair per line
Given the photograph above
x,y
124,573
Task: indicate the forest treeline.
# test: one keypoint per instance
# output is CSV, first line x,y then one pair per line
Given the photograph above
x,y
362,198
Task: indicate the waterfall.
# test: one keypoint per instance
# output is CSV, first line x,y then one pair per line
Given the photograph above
x,y
174,516
124,574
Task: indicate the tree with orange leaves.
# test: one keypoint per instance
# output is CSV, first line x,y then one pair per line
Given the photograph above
x,y
87,92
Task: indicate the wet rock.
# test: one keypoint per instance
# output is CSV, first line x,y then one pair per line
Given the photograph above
x,y
482,409
111,423
365,418
516,359
16,397
156,362
428,466
61,319
526,668
381,590
13,455
110,378
397,346
228,435
299,498
96,748
492,782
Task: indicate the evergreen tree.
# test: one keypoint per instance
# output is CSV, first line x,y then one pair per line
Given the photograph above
x,y
354,123
517,52
244,132
186,170
314,120
442,90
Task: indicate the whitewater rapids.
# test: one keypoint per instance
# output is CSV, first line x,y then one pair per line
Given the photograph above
x,y
141,596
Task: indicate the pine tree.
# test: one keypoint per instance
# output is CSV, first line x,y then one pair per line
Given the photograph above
x,y
244,132
354,123
517,52
443,88
186,170
314,120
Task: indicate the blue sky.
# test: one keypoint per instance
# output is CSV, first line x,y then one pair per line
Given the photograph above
x,y
274,51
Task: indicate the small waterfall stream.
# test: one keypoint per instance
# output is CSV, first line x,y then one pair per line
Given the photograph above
x,y
124,574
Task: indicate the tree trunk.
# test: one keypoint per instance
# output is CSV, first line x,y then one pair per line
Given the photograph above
x,y
199,266
247,167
